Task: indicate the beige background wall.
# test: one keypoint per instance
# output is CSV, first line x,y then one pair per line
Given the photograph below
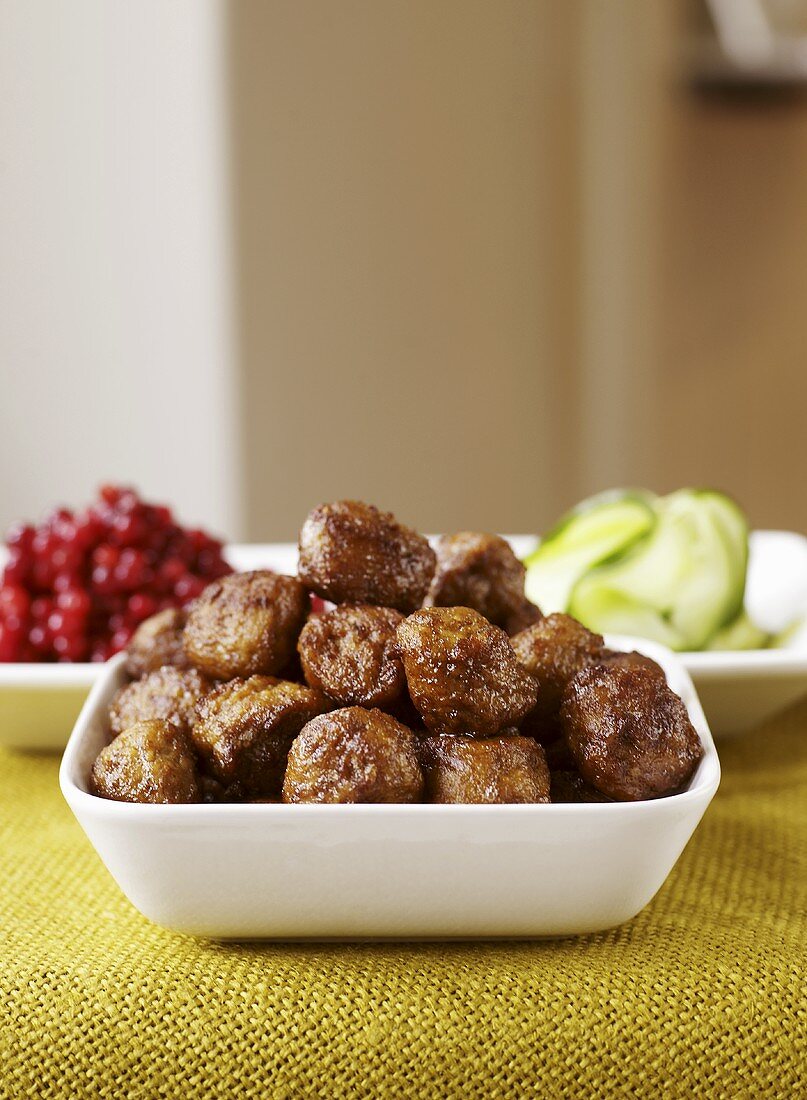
x,y
405,185
733,344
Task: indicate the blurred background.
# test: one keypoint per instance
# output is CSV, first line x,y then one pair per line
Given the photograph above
x,y
470,261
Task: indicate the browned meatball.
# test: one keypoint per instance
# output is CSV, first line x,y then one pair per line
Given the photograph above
x,y
246,623
524,616
157,642
462,673
352,553
482,572
245,728
631,659
498,769
150,762
570,786
169,693
354,755
629,733
349,653
553,651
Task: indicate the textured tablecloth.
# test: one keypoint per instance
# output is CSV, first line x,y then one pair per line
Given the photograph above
x,y
703,994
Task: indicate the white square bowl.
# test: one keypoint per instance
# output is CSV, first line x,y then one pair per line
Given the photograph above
x,y
373,871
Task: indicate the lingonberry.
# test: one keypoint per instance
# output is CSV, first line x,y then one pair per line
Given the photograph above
x,y
75,587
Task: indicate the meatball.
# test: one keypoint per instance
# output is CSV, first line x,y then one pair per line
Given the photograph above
x,y
157,642
553,651
354,755
150,762
629,733
352,553
510,768
630,659
170,694
482,572
349,653
246,623
245,728
568,785
462,673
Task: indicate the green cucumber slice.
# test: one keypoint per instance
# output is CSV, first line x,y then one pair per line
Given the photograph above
x,y
597,529
732,523
741,633
681,583
609,610
705,598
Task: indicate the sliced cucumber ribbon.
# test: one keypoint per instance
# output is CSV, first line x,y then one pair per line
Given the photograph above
x,y
668,568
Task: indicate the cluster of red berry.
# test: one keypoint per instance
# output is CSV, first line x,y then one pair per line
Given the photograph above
x,y
76,587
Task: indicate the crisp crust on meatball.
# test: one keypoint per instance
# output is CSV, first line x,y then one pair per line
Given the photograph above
x,y
629,733
349,653
553,651
524,616
352,553
353,755
157,642
169,693
481,571
149,762
246,624
631,659
462,673
568,785
509,768
245,728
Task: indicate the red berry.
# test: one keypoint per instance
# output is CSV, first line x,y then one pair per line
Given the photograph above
x,y
189,587
9,644
141,606
14,601
39,638
17,568
74,601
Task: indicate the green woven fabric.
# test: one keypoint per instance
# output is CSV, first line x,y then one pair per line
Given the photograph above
x,y
702,995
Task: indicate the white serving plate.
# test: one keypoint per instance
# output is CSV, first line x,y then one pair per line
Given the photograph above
x,y
375,871
40,703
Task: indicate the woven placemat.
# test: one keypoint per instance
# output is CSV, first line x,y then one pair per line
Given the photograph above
x,y
701,995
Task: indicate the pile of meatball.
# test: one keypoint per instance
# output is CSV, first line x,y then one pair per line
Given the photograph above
x,y
426,676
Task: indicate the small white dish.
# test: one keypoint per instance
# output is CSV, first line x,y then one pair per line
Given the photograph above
x,y
741,689
377,871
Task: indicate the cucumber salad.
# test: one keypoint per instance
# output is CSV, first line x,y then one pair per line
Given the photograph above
x,y
669,568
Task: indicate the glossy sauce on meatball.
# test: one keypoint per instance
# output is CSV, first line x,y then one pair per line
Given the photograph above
x,y
629,733
553,651
462,673
168,693
246,624
502,769
352,553
349,653
158,641
353,755
245,728
149,762
481,571
569,786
